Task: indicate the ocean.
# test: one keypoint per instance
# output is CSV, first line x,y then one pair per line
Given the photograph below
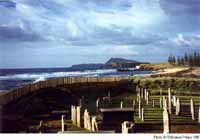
x,y
13,78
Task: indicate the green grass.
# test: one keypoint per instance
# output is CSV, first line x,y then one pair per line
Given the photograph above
x,y
179,85
153,115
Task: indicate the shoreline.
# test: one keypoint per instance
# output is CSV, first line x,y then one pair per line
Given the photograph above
x,y
158,73
167,72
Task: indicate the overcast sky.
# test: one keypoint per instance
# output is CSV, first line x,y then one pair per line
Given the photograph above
x,y
59,33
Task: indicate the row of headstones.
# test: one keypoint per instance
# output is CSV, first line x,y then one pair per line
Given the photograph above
x,y
167,109
142,93
90,123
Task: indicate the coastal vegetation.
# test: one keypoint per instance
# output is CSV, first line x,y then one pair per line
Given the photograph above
x,y
180,85
155,67
192,59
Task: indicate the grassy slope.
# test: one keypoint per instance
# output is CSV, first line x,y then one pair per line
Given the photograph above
x,y
153,115
181,85
160,66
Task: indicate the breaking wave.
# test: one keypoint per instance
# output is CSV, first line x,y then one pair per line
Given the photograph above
x,y
42,76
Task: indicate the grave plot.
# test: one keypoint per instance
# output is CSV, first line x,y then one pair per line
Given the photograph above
x,y
150,119
147,116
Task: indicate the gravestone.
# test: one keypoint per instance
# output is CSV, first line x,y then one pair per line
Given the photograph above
x,y
94,124
169,101
164,103
74,116
41,122
85,118
62,123
87,121
121,104
142,114
78,116
174,100
97,103
192,109
89,125
147,97
124,127
139,108
138,94
127,127
153,103
160,102
166,127
145,94
177,106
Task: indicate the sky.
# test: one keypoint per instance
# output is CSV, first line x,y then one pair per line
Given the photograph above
x,y
60,33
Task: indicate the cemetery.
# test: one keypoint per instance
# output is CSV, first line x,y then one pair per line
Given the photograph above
x,y
121,106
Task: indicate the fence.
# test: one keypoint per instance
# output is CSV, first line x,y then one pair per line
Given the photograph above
x,y
14,94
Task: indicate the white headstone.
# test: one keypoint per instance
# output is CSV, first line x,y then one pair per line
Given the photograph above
x,y
174,100
94,124
62,123
139,108
137,97
153,103
121,104
177,106
169,101
41,122
89,125
85,119
164,102
192,108
147,97
145,94
165,121
74,116
142,114
78,112
97,103
124,127
160,102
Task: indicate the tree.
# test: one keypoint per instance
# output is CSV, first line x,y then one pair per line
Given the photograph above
x,y
178,61
192,59
172,59
186,59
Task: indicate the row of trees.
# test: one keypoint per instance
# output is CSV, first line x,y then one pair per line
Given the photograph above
x,y
192,59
